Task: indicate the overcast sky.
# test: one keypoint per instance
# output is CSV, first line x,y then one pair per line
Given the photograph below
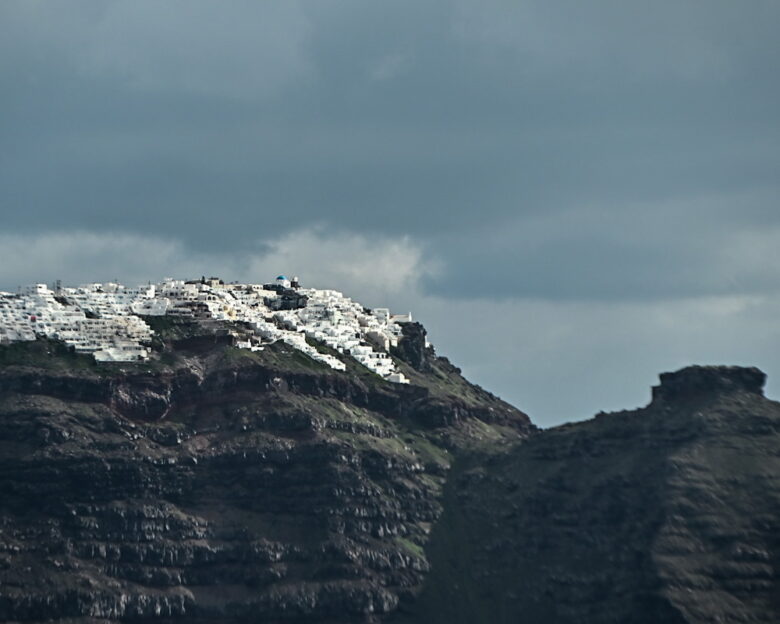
x,y
572,196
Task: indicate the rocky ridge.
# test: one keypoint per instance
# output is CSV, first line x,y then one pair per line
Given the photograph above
x,y
669,513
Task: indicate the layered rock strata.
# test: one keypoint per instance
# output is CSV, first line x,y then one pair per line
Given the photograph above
x,y
217,484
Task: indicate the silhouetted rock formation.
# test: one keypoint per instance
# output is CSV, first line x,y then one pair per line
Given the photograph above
x,y
702,382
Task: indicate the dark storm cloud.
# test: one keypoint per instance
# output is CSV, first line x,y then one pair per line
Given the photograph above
x,y
650,250
462,124
571,195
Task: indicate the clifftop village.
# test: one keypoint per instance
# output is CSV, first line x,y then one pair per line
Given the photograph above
x,y
106,320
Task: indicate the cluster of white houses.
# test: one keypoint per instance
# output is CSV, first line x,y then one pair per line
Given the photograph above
x,y
106,320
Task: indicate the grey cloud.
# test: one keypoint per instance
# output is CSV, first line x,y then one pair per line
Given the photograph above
x,y
195,47
458,137
702,246
601,152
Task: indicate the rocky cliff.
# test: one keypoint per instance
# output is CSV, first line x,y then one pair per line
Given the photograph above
x,y
215,484
670,513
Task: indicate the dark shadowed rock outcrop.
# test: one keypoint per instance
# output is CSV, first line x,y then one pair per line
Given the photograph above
x,y
670,513
697,383
413,349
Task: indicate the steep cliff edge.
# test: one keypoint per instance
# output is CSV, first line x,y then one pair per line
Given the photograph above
x,y
670,513
218,484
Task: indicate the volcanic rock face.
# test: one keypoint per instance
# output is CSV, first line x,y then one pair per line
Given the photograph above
x,y
216,484
670,513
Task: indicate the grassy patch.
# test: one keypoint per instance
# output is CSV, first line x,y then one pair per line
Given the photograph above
x,y
47,354
443,380
170,329
354,368
428,452
412,548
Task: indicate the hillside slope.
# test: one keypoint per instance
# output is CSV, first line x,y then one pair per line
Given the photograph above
x,y
670,513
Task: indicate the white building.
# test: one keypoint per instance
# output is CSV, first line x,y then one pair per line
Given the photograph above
x,y
106,319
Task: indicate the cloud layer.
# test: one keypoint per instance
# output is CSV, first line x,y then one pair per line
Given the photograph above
x,y
542,164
